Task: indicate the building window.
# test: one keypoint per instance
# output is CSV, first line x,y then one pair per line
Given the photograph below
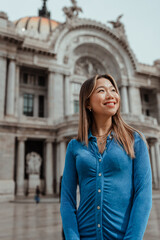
x,y
146,97
147,112
41,81
25,78
33,88
32,79
28,101
41,106
76,106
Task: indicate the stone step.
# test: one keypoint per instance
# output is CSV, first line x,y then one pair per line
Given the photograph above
x,y
43,199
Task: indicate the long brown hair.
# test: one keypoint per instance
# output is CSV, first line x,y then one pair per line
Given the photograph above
x,y
123,133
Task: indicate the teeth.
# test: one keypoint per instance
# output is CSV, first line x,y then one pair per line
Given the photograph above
x,y
110,104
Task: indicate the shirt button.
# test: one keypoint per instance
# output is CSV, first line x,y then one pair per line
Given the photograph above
x,y
100,174
100,160
99,225
98,207
99,190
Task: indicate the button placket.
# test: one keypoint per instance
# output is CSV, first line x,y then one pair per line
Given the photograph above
x,y
99,198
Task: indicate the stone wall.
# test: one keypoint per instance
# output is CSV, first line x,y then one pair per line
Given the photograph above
x,y
7,146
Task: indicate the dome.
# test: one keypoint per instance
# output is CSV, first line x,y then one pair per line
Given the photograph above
x,y
35,27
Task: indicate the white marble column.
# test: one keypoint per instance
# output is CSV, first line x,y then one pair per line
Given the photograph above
x,y
11,88
67,96
17,88
20,110
3,71
124,99
49,167
50,97
62,156
157,155
55,97
135,100
60,161
57,167
158,106
154,166
20,166
36,103
58,106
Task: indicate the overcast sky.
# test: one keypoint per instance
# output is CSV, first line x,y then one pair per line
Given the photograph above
x,y
141,19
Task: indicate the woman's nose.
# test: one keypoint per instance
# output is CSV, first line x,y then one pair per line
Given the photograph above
x,y
109,95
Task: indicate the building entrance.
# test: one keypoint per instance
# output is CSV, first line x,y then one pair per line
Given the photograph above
x,y
34,166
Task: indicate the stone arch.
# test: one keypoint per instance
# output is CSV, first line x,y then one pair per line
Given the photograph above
x,y
91,59
71,37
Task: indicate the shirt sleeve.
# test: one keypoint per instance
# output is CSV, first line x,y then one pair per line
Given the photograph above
x,y
142,200
68,196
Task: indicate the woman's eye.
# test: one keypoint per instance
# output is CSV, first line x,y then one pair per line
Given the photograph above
x,y
113,89
101,90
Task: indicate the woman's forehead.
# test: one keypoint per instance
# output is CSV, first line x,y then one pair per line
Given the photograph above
x,y
103,81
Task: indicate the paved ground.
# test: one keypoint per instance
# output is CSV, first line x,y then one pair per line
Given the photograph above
x,y
28,221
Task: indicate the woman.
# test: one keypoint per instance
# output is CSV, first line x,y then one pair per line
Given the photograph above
x,y
111,161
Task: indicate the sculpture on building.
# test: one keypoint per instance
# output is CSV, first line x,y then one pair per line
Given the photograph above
x,y
33,162
87,66
118,26
73,11
117,23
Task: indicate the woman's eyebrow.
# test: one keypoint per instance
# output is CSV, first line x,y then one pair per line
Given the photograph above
x,y
105,87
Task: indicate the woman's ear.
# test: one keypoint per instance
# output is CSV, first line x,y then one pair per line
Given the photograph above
x,y
89,108
88,105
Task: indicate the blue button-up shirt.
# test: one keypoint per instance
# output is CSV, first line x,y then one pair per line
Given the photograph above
x,y
115,191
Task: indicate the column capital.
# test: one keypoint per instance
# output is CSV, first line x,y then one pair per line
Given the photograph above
x,y
123,84
152,141
59,70
61,139
134,85
21,138
12,58
3,55
49,140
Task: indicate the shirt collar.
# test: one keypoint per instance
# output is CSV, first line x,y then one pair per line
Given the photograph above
x,y
90,136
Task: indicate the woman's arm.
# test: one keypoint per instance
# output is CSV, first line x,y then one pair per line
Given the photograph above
x,y
142,200
68,196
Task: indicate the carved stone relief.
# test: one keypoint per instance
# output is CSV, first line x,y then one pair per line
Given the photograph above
x,y
88,66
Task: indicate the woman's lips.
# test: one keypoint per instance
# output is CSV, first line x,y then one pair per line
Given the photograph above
x,y
110,103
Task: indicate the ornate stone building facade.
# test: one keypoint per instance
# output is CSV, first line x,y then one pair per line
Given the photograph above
x,y
42,66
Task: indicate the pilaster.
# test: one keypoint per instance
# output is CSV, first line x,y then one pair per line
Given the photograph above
x,y
157,155
17,89
61,153
67,96
124,99
10,104
49,166
3,67
20,165
158,106
154,166
55,96
135,100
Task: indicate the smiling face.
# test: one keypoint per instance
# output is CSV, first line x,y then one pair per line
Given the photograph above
x,y
104,100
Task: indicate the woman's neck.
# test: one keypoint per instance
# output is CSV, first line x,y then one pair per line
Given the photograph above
x,y
101,126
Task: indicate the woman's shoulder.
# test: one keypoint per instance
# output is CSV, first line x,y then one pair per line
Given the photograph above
x,y
139,137
73,143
